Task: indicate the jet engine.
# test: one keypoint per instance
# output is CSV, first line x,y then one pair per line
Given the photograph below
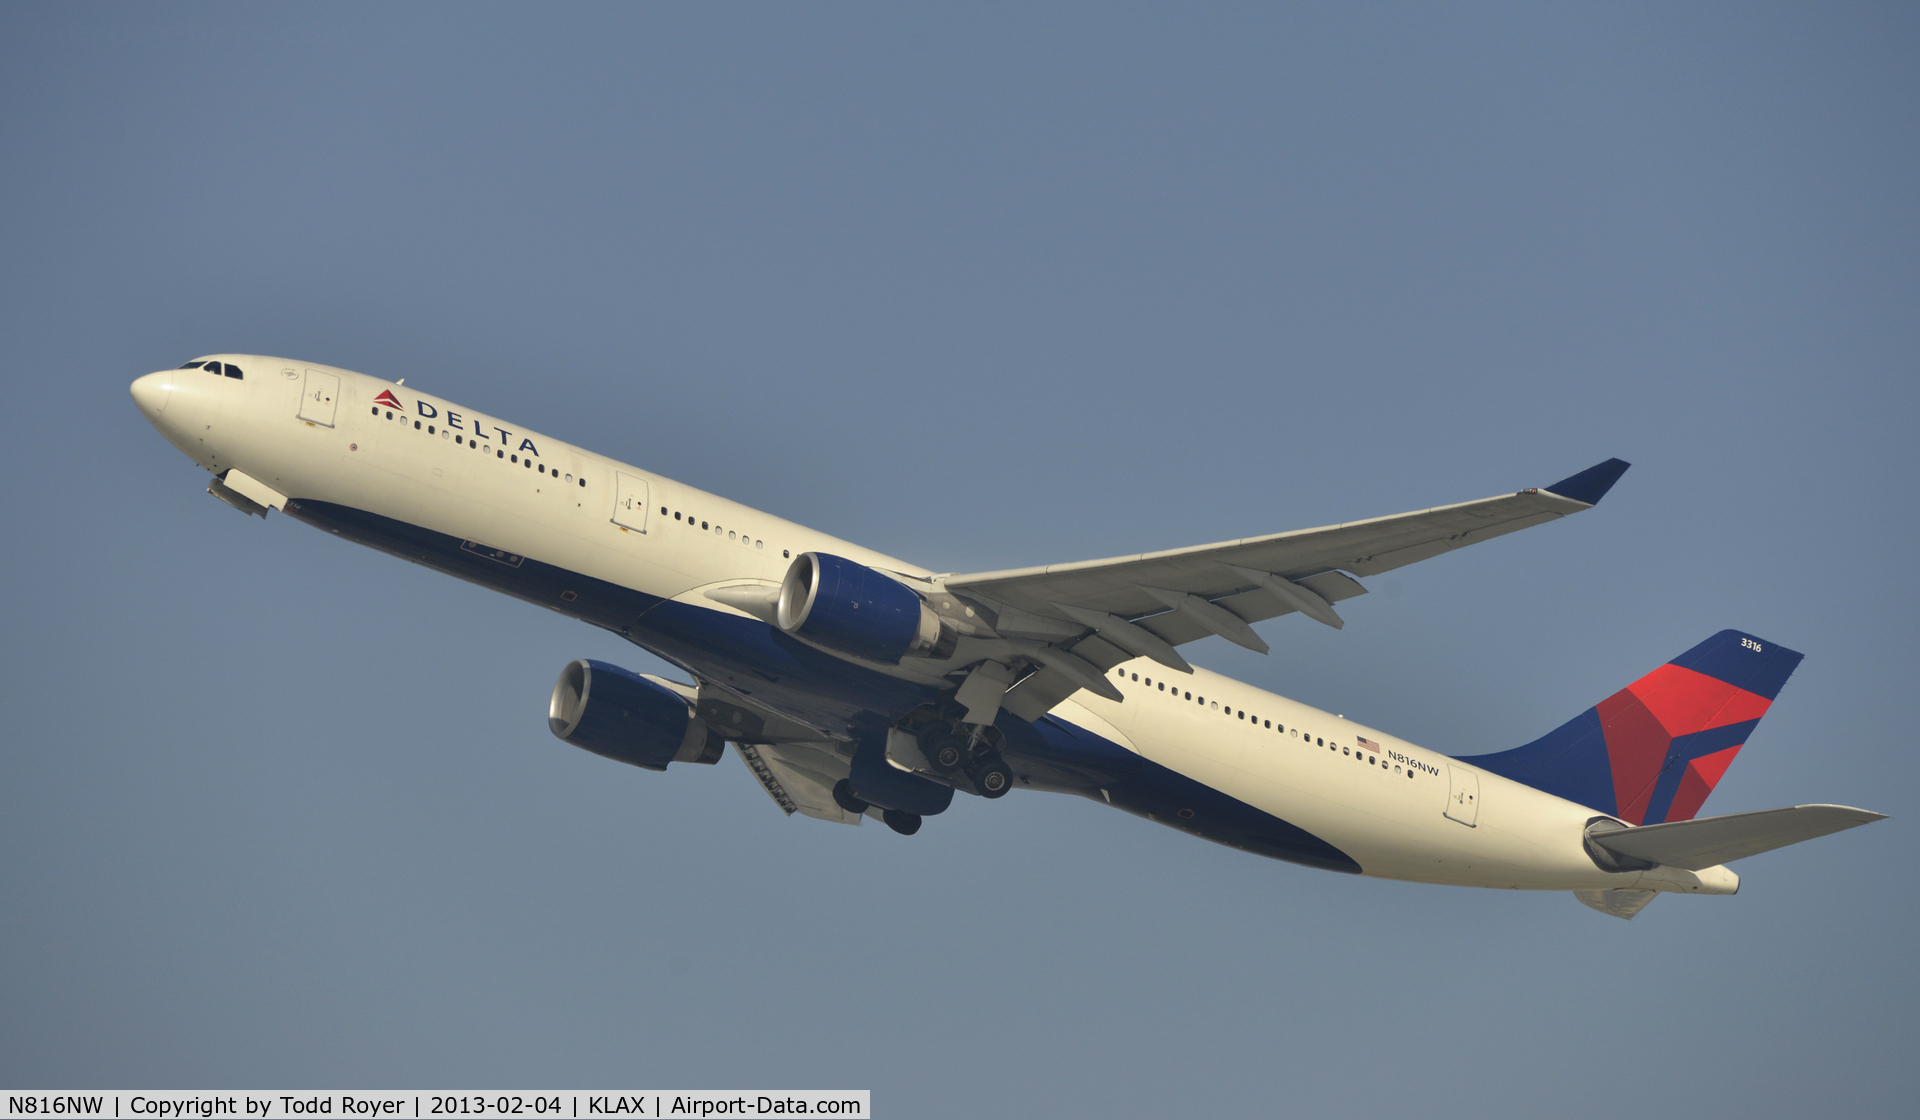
x,y
852,609
626,717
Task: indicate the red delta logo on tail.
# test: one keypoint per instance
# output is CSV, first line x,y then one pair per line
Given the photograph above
x,y
386,399
1653,751
1645,720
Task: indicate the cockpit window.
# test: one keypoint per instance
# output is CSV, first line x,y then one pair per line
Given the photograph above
x,y
233,371
190,365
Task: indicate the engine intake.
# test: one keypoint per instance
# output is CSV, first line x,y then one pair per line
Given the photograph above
x,y
624,716
852,609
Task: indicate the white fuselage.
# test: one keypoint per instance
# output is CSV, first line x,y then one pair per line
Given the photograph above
x,y
1400,812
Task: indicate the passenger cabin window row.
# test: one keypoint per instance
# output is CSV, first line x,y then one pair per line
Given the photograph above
x,y
1372,759
745,539
218,369
515,459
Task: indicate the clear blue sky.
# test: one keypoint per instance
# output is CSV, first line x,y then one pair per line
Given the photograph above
x,y
980,287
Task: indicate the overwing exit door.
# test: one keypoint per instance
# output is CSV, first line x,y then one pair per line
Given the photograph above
x,y
1463,795
317,403
630,502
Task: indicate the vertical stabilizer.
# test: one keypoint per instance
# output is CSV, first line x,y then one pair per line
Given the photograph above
x,y
1653,751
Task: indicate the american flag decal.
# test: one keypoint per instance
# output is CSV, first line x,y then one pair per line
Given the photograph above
x,y
1367,743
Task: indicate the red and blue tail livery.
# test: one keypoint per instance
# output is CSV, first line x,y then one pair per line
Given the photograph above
x,y
1653,751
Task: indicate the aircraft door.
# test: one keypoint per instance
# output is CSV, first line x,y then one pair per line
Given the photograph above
x,y
1463,795
317,403
630,502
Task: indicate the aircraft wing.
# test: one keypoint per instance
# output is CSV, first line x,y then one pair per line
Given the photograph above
x,y
799,777
1183,594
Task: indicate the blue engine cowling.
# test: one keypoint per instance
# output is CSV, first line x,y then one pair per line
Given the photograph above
x,y
852,609
628,718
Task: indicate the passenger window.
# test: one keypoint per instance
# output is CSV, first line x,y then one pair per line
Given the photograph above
x,y
1189,695
583,482
516,458
703,525
1136,676
499,454
429,429
759,544
1163,686
416,425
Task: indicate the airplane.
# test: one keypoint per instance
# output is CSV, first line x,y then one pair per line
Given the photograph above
x,y
857,686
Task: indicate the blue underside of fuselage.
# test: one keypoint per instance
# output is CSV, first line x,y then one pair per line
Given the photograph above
x,y
758,661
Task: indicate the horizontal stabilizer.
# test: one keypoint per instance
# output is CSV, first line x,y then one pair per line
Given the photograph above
x,y
1710,841
1621,904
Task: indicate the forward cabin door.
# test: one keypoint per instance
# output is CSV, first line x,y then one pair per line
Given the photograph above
x,y
316,405
630,502
1463,795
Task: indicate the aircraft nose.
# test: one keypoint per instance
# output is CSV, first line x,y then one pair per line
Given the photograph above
x,y
151,393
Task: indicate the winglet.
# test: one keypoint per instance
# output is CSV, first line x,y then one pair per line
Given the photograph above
x,y
1592,484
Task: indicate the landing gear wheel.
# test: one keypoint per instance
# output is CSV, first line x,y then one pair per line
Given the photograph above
x,y
946,752
992,777
843,797
906,824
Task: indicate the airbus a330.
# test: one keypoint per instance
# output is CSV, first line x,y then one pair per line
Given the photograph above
x,y
855,685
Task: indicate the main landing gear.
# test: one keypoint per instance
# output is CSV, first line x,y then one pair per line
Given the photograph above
x,y
906,824
956,749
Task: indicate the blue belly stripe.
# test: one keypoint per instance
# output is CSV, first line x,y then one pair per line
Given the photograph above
x,y
755,659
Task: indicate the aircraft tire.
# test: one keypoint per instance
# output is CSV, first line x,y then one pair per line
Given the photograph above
x,y
906,824
843,797
993,778
946,751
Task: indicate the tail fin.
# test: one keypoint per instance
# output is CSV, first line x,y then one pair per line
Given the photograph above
x,y
1653,751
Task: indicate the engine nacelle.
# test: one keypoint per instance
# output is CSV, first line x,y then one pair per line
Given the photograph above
x,y
628,718
851,608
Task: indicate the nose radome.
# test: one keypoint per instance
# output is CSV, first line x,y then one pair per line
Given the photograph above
x,y
152,392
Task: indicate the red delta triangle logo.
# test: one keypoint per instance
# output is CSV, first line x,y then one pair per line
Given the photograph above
x,y
388,400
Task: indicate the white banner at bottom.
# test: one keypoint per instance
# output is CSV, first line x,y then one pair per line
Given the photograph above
x,y
420,1104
